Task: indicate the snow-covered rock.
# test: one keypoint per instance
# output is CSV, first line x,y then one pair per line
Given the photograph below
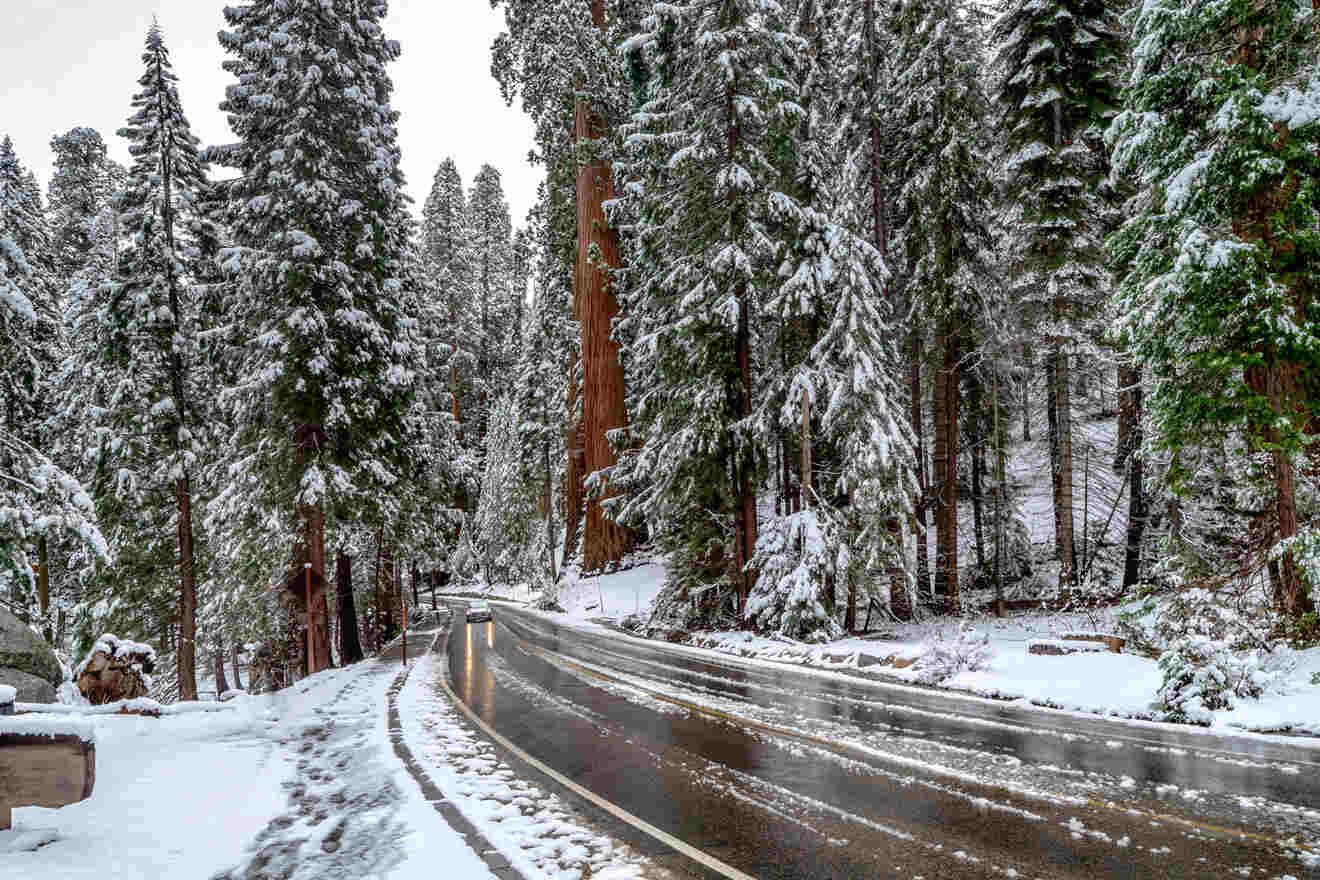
x,y
115,669
27,664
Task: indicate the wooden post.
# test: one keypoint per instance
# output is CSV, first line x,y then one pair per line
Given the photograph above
x,y
404,605
307,577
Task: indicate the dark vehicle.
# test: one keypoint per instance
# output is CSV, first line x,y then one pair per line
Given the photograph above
x,y
477,610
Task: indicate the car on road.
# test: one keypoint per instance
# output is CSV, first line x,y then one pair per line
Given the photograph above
x,y
478,609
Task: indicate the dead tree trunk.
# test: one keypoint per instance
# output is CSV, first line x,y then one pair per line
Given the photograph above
x,y
218,661
1130,380
233,661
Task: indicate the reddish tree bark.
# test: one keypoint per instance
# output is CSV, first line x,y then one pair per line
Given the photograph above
x,y
946,458
603,384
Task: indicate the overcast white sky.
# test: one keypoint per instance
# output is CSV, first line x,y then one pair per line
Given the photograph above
x,y
65,63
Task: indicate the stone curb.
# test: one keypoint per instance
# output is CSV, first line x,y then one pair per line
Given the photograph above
x,y
498,864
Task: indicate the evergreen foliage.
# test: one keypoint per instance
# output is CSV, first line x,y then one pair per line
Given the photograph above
x,y
1219,248
708,236
326,367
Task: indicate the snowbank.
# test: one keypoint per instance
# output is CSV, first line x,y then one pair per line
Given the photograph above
x,y
138,706
614,596
47,725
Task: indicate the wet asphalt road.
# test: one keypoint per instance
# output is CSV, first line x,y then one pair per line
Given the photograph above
x,y
803,776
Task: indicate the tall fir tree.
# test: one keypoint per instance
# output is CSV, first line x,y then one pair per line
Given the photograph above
x,y
1058,64
156,417
707,201
489,242
37,497
81,185
939,112
327,365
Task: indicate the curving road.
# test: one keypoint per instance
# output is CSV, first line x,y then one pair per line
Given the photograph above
x,y
780,772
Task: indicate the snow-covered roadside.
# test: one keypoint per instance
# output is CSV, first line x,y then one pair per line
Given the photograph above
x,y
174,796
531,828
1116,685
614,595
302,783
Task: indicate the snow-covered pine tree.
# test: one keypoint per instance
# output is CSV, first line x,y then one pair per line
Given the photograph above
x,y
548,334
489,243
505,521
326,370
157,413
704,186
80,186
834,386
939,111
1058,63
445,255
1218,255
37,498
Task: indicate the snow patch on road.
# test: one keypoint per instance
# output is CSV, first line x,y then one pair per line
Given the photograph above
x,y
535,830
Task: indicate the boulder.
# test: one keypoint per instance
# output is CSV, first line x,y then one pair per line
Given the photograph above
x,y
26,662
115,669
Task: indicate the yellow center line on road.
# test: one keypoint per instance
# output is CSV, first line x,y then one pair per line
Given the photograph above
x,y
853,751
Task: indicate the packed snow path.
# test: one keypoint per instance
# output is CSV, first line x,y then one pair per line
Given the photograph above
x,y
780,772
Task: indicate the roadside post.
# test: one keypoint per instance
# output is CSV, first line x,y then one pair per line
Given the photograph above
x,y
307,577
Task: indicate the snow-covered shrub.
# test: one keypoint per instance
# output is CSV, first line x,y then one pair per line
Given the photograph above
x,y
796,570
1203,675
942,658
1242,615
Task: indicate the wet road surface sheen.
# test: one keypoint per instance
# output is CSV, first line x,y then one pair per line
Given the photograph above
x,y
775,806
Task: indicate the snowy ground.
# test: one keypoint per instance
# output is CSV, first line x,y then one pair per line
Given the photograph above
x,y
614,596
299,784
536,831
1121,685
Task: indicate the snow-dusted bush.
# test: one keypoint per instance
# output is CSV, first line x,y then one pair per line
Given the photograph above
x,y
1242,615
1204,675
796,568
942,657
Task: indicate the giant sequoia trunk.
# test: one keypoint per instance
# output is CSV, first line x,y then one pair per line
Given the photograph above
x,y
603,541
